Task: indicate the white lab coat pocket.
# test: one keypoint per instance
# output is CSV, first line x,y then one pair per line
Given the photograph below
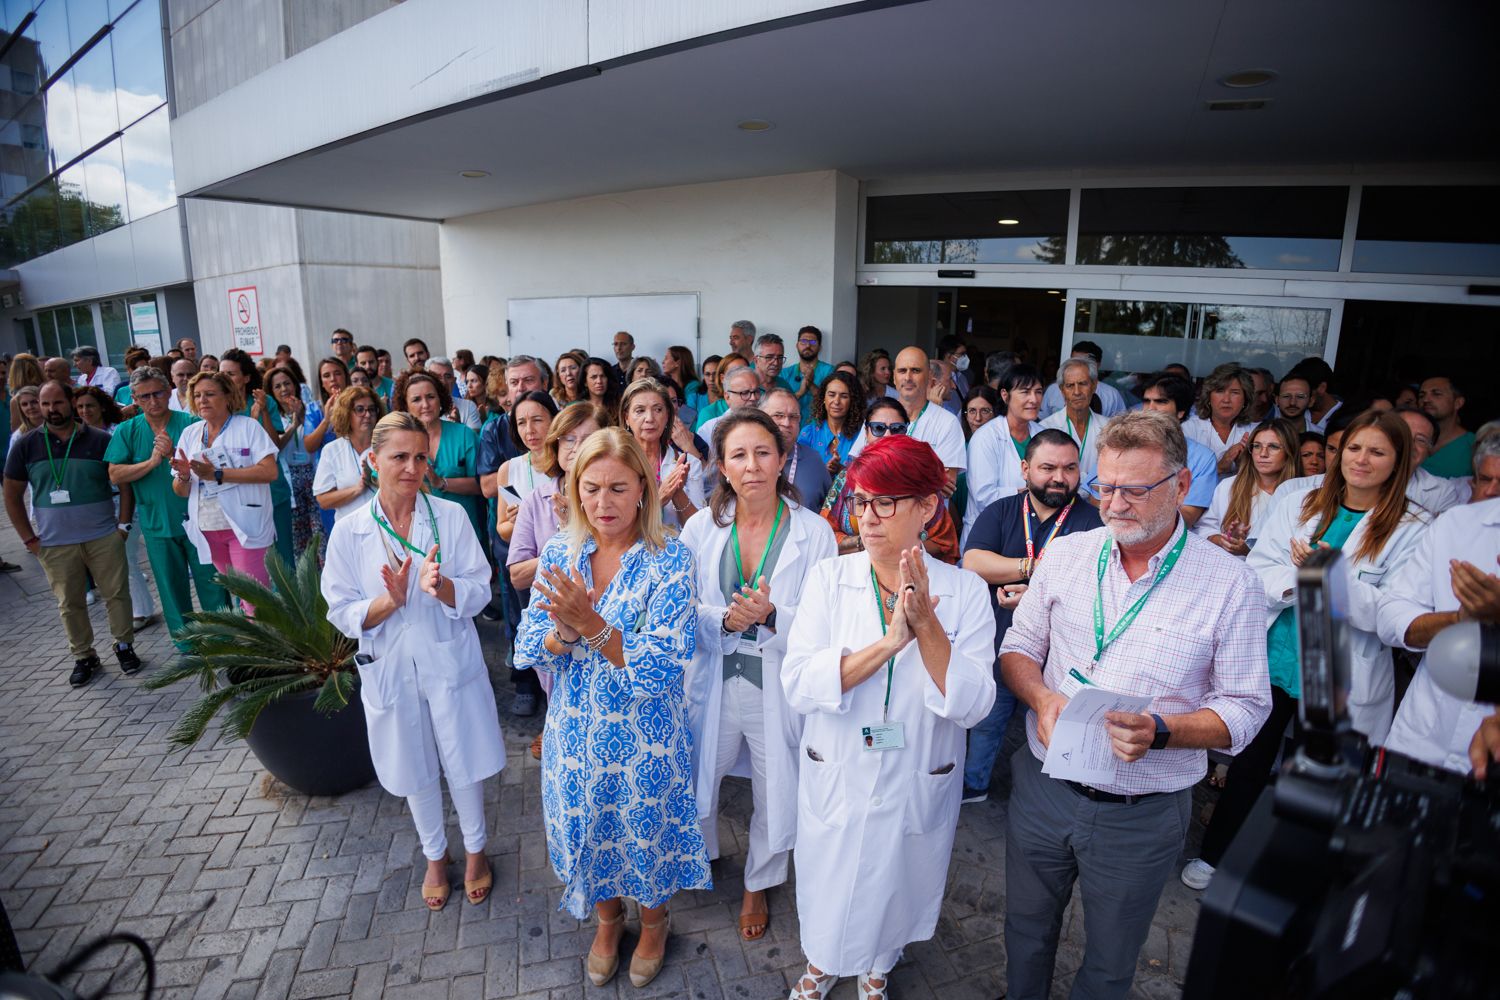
x,y
933,801
820,793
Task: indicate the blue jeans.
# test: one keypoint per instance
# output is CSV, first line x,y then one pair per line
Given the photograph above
x,y
985,739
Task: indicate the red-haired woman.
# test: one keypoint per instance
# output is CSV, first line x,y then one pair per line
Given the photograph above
x,y
890,660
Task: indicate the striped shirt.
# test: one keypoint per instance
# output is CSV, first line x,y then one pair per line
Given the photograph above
x,y
1199,642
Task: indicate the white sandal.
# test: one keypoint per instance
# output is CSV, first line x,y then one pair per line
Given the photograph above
x,y
813,985
867,988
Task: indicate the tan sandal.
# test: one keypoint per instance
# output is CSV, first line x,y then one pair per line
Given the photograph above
x,y
435,897
602,969
643,970
480,885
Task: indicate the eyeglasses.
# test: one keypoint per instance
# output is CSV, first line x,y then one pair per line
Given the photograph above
x,y
158,394
745,395
878,429
883,506
1133,494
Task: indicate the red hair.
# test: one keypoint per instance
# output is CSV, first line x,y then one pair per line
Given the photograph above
x,y
898,465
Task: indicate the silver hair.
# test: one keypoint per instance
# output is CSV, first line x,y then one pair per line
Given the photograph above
x,y
1147,429
145,373
743,324
1088,363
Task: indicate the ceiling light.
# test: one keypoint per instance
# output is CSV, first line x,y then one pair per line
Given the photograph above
x,y
473,174
755,125
1009,222
1248,78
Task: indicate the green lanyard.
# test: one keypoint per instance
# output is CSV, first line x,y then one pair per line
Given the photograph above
x,y
1103,642
739,564
408,546
58,471
890,666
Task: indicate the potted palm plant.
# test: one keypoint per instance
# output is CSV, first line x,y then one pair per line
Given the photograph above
x,y
284,680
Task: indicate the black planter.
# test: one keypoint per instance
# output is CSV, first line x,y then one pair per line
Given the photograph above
x,y
315,754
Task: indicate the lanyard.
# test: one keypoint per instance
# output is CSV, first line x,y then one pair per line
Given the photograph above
x,y
408,546
1103,642
1062,517
58,471
890,666
739,564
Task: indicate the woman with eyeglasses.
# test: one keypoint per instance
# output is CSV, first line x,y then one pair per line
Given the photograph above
x,y
1361,508
752,548
838,412
1238,512
344,480
647,412
889,660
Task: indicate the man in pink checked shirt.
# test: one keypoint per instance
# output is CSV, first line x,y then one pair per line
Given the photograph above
x,y
1139,607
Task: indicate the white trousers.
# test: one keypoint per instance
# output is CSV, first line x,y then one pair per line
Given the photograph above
x,y
427,811
742,720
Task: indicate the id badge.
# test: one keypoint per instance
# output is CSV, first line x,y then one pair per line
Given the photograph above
x,y
884,736
748,640
59,497
1073,682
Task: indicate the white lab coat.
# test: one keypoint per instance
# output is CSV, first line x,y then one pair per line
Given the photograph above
x,y
1372,677
994,468
247,506
427,694
1432,725
875,828
809,542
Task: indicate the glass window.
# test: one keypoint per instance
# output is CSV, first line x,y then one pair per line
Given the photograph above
x,y
104,179
1145,336
114,315
62,121
93,81
84,18
1429,230
148,165
1277,228
47,324
72,205
977,227
140,72
50,32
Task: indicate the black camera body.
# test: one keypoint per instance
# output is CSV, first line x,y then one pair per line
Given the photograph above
x,y
1359,874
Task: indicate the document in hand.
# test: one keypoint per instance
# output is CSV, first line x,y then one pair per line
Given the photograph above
x,y
1080,748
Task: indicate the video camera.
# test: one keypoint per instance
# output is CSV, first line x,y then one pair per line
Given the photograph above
x,y
1359,874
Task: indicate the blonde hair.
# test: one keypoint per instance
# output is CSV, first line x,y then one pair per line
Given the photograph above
x,y
233,398
616,443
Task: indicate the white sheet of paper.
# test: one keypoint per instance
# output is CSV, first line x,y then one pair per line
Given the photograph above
x,y
1080,749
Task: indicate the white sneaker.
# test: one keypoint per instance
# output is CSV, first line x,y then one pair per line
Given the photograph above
x,y
1197,873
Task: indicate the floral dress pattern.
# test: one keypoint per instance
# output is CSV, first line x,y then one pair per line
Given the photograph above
x,y
617,763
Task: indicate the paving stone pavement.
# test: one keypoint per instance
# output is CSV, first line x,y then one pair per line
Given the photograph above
x,y
247,889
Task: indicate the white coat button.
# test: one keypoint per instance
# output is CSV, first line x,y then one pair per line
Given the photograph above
x,y
875,802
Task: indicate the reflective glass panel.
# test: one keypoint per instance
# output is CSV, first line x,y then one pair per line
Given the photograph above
x,y
84,18
62,122
148,166
140,73
115,318
93,81
72,205
1275,228
50,32
104,179
1429,230
975,227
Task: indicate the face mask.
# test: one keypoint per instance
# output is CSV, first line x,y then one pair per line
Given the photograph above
x,y
961,363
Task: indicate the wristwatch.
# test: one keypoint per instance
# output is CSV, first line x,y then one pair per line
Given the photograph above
x,y
1163,734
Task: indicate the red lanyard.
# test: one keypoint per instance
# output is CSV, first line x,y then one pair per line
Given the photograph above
x,y
1062,516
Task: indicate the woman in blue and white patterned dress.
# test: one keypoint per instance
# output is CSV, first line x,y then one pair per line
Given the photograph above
x,y
613,617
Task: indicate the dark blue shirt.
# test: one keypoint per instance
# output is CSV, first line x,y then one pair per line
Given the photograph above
x,y
999,530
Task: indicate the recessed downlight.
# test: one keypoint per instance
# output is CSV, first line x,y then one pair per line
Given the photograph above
x,y
754,125
1248,78
473,174
1009,222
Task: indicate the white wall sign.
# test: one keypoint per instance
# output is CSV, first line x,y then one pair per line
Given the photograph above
x,y
145,327
244,320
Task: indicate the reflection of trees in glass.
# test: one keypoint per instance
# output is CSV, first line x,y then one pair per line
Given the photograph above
x,y
52,218
1158,250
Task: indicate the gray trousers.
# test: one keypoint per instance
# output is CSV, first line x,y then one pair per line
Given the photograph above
x,y
1122,854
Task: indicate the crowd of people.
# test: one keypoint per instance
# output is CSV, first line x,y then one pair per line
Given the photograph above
x,y
837,580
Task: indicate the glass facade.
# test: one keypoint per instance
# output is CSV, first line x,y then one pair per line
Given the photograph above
x,y
84,146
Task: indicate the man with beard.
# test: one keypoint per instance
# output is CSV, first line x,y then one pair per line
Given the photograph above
x,y
1145,608
75,531
809,373
1005,547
